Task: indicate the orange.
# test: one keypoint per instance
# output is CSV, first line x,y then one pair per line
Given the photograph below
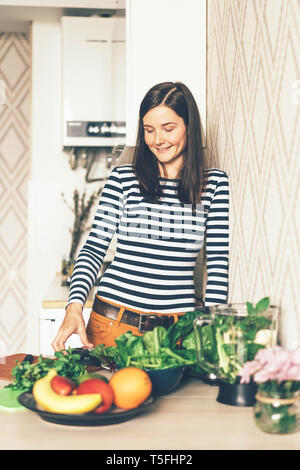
x,y
131,386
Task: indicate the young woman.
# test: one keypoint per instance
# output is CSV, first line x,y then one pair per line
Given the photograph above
x,y
163,208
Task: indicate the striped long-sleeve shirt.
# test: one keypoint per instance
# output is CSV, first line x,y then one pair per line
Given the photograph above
x,y
157,245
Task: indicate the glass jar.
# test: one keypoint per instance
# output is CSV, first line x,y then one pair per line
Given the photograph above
x,y
228,337
277,413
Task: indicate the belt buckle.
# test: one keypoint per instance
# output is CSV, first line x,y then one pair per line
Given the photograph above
x,y
142,320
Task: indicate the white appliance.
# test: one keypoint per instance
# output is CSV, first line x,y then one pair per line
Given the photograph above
x,y
93,81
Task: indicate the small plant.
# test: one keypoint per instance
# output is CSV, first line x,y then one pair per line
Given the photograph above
x,y
276,372
81,212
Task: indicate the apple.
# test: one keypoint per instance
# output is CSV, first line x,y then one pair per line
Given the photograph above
x,y
62,385
84,377
94,385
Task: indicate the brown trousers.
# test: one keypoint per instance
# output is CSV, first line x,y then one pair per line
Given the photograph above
x,y
103,330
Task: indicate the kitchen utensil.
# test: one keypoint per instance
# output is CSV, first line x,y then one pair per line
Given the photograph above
x,y
91,362
9,362
227,338
8,397
113,416
207,378
9,400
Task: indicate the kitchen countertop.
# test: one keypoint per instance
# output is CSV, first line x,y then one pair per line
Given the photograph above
x,y
57,295
188,419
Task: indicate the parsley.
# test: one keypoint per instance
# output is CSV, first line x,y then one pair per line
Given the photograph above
x,y
65,363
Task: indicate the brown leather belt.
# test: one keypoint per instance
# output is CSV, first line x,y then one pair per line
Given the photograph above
x,y
143,321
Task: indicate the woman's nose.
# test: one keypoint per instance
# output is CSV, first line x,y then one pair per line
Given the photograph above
x,y
159,139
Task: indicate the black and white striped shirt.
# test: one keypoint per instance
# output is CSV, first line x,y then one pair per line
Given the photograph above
x,y
157,245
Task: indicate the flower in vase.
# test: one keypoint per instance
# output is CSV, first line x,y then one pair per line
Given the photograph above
x,y
272,364
277,374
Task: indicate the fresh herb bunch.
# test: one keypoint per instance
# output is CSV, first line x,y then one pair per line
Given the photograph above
x,y
65,363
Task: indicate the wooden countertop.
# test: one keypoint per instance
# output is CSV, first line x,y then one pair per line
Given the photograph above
x,y
188,419
57,295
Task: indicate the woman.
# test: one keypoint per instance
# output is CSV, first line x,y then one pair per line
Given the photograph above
x,y
163,208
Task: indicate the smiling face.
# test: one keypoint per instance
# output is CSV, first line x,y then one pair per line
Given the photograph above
x,y
166,136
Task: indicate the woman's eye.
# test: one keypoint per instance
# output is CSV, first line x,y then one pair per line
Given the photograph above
x,y
148,131
169,130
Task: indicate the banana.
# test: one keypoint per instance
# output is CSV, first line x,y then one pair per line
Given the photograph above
x,y
49,400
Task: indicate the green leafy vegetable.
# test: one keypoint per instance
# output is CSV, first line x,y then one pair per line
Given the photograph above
x,y
262,305
226,344
65,363
156,349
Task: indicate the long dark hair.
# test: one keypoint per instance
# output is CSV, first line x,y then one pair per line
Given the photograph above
x,y
179,98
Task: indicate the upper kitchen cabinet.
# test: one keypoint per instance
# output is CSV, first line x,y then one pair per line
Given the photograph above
x,y
93,80
166,41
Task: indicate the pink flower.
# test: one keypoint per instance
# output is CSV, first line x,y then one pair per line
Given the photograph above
x,y
262,376
272,364
293,373
295,356
272,359
248,369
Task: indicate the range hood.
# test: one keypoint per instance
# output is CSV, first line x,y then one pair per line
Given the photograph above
x,y
93,81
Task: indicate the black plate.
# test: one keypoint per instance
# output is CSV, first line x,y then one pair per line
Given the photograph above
x,y
113,416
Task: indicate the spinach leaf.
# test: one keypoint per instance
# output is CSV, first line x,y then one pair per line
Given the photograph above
x,y
262,305
189,341
181,328
250,308
252,349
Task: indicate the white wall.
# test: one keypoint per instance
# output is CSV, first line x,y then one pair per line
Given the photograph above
x,y
166,41
49,217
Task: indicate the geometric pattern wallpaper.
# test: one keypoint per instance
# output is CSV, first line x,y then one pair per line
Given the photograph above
x,y
15,69
253,133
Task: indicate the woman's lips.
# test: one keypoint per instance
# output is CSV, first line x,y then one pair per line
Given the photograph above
x,y
162,150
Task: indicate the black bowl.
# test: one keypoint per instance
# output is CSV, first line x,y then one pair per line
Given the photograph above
x,y
165,381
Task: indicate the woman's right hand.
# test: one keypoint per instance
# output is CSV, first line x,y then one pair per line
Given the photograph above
x,y
73,323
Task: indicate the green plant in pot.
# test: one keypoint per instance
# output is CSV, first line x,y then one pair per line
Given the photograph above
x,y
230,336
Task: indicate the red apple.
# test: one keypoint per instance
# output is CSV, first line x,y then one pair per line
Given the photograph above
x,y
97,386
62,385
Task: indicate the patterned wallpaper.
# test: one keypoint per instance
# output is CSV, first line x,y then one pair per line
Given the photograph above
x,y
253,133
15,58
